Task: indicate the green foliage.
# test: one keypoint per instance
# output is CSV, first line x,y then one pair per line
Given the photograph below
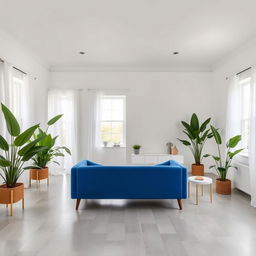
x,y
197,136
136,146
222,165
12,124
12,161
54,120
50,152
25,136
3,144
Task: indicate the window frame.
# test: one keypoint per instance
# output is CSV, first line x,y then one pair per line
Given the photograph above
x,y
113,96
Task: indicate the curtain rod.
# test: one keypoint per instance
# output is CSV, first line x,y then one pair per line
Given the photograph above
x,y
1,60
243,71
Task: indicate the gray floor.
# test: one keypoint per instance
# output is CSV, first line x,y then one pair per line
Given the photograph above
x,y
50,226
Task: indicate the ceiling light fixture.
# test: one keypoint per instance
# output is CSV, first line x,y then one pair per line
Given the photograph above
x,y
82,53
175,53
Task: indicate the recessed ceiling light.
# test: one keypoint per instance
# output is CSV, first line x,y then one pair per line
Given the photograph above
x,y
82,53
175,53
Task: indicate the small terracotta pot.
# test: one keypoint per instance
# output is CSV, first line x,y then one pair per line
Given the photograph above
x,y
223,187
39,174
197,169
11,195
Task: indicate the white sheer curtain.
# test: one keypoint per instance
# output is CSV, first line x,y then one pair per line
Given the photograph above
x,y
252,139
15,94
234,107
94,141
233,125
64,102
2,97
5,74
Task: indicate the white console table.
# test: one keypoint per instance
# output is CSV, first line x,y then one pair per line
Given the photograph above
x,y
155,158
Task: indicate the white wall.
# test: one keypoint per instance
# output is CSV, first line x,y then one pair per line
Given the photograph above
x,y
19,56
156,103
242,58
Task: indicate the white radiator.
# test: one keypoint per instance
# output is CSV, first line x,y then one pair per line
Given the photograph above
x,y
242,178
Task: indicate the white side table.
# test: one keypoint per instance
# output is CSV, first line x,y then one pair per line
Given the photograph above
x,y
205,181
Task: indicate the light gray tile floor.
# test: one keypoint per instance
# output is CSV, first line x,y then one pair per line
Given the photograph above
x,y
51,226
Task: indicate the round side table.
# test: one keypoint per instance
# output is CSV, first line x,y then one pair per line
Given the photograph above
x,y
205,181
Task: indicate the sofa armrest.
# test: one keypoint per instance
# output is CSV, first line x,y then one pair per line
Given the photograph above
x,y
184,182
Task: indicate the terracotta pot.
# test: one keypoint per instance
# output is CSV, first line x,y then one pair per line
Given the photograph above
x,y
39,174
6,194
223,187
197,169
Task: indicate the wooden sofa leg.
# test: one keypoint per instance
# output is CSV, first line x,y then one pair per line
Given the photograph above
x,y
77,203
180,203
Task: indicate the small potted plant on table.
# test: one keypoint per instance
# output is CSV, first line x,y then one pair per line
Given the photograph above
x,y
136,149
44,157
15,154
197,135
222,165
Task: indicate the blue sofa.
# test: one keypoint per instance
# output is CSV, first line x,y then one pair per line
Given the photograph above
x,y
94,181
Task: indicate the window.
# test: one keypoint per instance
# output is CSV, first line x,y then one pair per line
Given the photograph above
x,y
245,111
112,120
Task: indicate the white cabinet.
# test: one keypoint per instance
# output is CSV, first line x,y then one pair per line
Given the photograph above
x,y
155,158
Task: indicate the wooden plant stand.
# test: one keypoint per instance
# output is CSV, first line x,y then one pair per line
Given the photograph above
x,y
38,175
9,196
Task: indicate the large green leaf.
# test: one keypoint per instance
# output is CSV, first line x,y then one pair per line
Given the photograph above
x,y
59,154
54,120
65,148
47,141
185,124
189,135
4,162
216,135
194,122
204,124
232,143
217,158
3,144
29,146
205,134
25,136
232,154
189,129
32,152
185,142
11,122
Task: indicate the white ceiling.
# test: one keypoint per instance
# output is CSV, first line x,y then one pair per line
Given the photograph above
x,y
130,33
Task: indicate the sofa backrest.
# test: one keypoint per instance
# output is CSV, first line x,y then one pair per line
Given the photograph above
x,y
166,177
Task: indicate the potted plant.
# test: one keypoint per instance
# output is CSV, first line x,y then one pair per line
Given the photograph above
x,y
44,157
222,165
136,149
16,152
197,134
